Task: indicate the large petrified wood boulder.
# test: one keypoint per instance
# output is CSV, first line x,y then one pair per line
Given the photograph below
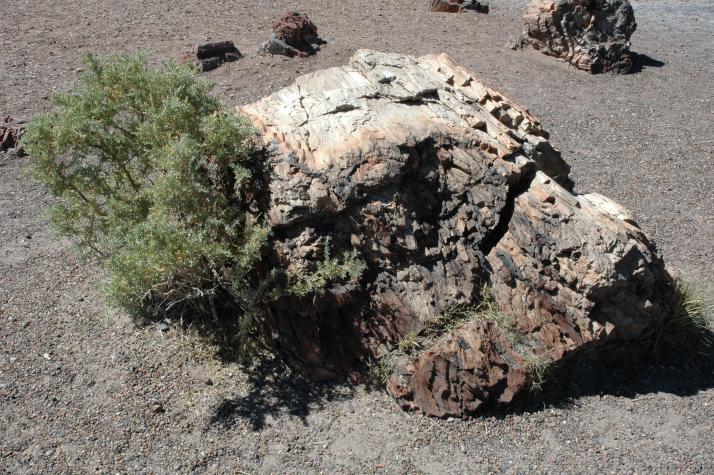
x,y
442,186
593,35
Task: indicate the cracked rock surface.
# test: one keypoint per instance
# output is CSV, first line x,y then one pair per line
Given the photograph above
x,y
592,35
442,186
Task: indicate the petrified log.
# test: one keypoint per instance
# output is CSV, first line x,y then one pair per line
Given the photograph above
x,y
457,6
442,186
593,35
293,35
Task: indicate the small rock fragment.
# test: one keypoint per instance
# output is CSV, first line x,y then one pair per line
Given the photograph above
x,y
457,6
293,35
592,35
210,64
11,131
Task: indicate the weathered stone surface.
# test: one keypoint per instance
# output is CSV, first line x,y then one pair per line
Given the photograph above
x,y
11,132
293,35
222,49
575,270
592,35
457,6
442,186
474,366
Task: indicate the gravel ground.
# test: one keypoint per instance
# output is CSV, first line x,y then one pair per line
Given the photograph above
x,y
83,389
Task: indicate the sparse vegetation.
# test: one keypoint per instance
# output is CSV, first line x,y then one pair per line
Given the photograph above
x,y
152,175
537,367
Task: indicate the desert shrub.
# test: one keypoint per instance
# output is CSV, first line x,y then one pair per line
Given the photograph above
x,y
153,177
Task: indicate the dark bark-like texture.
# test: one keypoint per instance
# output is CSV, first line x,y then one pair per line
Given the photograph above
x,y
210,56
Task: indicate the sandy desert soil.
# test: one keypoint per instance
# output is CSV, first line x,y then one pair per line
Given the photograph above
x,y
83,389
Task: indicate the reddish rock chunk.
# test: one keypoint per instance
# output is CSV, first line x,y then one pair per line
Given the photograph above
x,y
11,131
476,366
441,186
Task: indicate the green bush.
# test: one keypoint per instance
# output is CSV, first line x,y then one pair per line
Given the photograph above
x,y
153,177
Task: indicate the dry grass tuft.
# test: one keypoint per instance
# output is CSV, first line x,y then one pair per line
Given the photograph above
x,y
689,329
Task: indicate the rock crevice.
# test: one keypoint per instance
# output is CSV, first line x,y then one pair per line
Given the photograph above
x,y
592,35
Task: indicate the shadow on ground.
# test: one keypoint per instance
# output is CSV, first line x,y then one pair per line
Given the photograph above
x,y
627,372
274,390
642,61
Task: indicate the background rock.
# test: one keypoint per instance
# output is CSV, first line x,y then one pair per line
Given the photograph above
x,y
457,6
592,35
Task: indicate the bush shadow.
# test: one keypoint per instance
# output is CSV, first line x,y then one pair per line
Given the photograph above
x,y
274,390
642,61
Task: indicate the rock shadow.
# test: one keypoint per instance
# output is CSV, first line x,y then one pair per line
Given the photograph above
x,y
274,390
642,61
625,372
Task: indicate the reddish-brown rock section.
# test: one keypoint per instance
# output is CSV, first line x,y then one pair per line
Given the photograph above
x,y
592,35
472,367
441,186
